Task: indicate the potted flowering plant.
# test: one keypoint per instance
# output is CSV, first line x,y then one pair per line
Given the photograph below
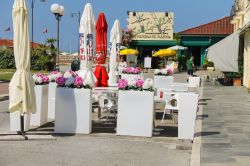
x,y
131,73
163,72
52,91
41,91
73,105
135,97
163,79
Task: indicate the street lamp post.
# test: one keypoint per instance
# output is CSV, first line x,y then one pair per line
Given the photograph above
x,y
32,4
58,11
78,15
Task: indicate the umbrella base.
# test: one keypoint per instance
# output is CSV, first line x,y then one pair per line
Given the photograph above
x,y
22,133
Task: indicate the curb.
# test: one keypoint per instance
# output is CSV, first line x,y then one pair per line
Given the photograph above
x,y
196,148
4,97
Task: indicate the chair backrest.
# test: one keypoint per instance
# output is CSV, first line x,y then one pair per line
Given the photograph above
x,y
102,100
171,97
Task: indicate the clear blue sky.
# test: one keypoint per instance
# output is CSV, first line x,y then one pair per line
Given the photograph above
x,y
188,13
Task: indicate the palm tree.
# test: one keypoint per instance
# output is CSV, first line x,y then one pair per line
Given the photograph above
x,y
52,50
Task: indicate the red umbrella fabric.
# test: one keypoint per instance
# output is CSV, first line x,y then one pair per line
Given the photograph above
x,y
101,51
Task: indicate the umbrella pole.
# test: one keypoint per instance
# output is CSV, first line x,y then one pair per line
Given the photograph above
x,y
21,132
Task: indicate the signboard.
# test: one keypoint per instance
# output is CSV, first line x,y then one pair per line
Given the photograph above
x,y
147,62
151,25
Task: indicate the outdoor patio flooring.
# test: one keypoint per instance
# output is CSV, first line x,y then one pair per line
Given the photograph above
x,y
225,133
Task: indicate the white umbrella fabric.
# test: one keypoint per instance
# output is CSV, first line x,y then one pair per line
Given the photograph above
x,y
86,37
21,88
115,40
177,48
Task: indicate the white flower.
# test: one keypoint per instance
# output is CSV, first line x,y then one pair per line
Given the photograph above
x,y
164,71
131,82
148,83
88,82
70,81
37,80
157,71
67,74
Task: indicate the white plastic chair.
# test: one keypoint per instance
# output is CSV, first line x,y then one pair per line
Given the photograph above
x,y
169,108
107,105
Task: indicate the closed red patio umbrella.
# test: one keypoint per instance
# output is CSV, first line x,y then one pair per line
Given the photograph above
x,y
101,51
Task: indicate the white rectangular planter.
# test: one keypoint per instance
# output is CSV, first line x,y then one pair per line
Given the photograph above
x,y
163,82
194,82
187,108
131,76
73,111
135,113
52,101
41,116
15,122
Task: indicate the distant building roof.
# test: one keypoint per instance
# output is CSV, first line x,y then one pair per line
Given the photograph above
x,y
218,27
9,43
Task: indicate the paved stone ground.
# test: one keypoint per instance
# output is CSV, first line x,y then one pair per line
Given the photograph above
x,y
4,88
225,139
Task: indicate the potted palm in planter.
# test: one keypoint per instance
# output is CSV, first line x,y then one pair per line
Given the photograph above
x,y
73,105
41,92
208,64
135,107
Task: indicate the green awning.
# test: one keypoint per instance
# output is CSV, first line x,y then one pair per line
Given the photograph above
x,y
195,43
153,43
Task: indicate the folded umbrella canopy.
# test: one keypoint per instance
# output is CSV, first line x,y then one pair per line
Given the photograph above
x,y
177,48
115,40
21,92
86,35
129,51
101,51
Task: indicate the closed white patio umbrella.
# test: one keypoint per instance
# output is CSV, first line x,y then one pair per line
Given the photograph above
x,y
21,88
86,37
22,94
115,40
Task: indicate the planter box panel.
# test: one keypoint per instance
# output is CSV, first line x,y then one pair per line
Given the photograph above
x,y
135,113
73,111
15,122
52,101
41,116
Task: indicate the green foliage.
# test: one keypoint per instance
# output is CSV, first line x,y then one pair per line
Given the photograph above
x,y
208,63
39,59
7,60
239,74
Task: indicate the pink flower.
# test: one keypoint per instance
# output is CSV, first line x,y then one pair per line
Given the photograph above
x,y
78,82
45,79
122,84
54,72
170,72
139,83
39,75
61,81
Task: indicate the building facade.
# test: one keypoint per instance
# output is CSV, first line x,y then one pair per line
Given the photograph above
x,y
240,19
151,31
199,38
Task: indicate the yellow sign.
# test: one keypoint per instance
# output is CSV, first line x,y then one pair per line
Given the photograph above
x,y
151,25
